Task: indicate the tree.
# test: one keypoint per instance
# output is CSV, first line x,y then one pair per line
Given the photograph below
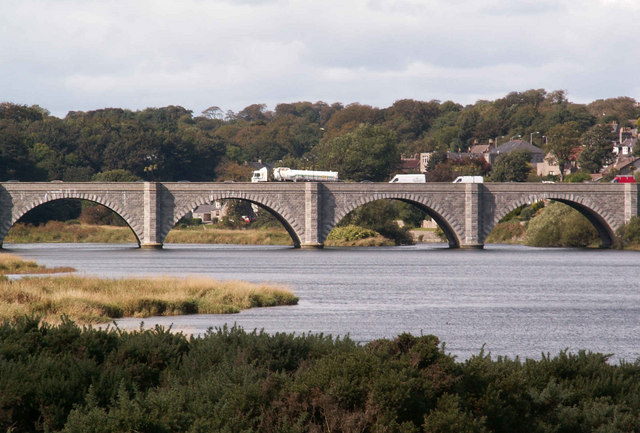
x,y
367,153
213,112
231,170
597,150
117,175
512,167
562,141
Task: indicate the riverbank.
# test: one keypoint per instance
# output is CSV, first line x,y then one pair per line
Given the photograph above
x,y
60,232
12,264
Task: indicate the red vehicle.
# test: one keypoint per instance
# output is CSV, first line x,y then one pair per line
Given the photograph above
x,y
624,179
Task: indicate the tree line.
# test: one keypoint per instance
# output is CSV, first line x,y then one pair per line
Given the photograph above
x,y
361,142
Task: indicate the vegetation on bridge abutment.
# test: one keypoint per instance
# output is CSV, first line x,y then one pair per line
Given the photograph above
x,y
67,379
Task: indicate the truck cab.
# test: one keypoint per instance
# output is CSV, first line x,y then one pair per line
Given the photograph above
x,y
261,175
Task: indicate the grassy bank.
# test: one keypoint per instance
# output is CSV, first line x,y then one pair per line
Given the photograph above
x,y
12,264
93,300
212,235
55,231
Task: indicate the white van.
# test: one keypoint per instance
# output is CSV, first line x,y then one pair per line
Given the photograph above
x,y
408,178
469,179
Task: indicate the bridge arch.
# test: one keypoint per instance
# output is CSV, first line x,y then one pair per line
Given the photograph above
x,y
51,197
452,228
599,217
291,224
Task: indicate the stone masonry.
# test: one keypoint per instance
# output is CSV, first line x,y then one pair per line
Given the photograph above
x,y
465,212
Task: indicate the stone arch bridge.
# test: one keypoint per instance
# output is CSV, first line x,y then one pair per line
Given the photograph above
x,y
465,212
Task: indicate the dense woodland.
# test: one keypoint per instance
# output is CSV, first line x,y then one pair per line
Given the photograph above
x,y
359,141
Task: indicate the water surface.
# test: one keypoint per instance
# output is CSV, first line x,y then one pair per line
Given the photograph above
x,y
517,301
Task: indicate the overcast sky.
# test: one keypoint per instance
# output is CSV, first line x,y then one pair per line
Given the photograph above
x,y
89,54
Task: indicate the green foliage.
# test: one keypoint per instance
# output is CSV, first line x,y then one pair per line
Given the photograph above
x,y
265,219
597,150
511,167
367,153
117,175
577,177
351,233
629,233
558,225
63,378
236,210
449,169
380,216
360,141
562,140
97,214
506,232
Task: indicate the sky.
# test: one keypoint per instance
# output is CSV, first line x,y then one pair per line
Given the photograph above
x,y
81,55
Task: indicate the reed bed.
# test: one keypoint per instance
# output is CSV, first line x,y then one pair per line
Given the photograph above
x,y
56,231
94,300
12,264
210,235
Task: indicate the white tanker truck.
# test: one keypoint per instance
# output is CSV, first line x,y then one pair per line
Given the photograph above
x,y
287,174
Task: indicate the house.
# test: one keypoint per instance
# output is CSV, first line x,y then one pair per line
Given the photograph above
x,y
537,155
624,165
481,151
210,213
625,147
547,168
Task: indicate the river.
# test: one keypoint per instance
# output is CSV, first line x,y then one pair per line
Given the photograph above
x,y
513,300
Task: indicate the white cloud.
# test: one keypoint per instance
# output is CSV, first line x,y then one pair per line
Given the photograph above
x,y
77,55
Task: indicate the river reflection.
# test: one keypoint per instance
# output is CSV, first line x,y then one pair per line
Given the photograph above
x,y
517,301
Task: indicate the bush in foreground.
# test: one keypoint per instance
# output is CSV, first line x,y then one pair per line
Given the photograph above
x,y
67,379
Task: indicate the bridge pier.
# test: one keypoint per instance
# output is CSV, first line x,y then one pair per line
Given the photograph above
x,y
151,246
312,216
312,246
150,217
472,216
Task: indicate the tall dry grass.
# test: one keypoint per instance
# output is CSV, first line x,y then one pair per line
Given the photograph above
x,y
56,231
12,264
94,300
210,235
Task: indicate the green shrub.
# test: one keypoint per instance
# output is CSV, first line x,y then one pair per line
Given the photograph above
x,y
351,233
511,231
559,225
72,380
577,177
629,233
